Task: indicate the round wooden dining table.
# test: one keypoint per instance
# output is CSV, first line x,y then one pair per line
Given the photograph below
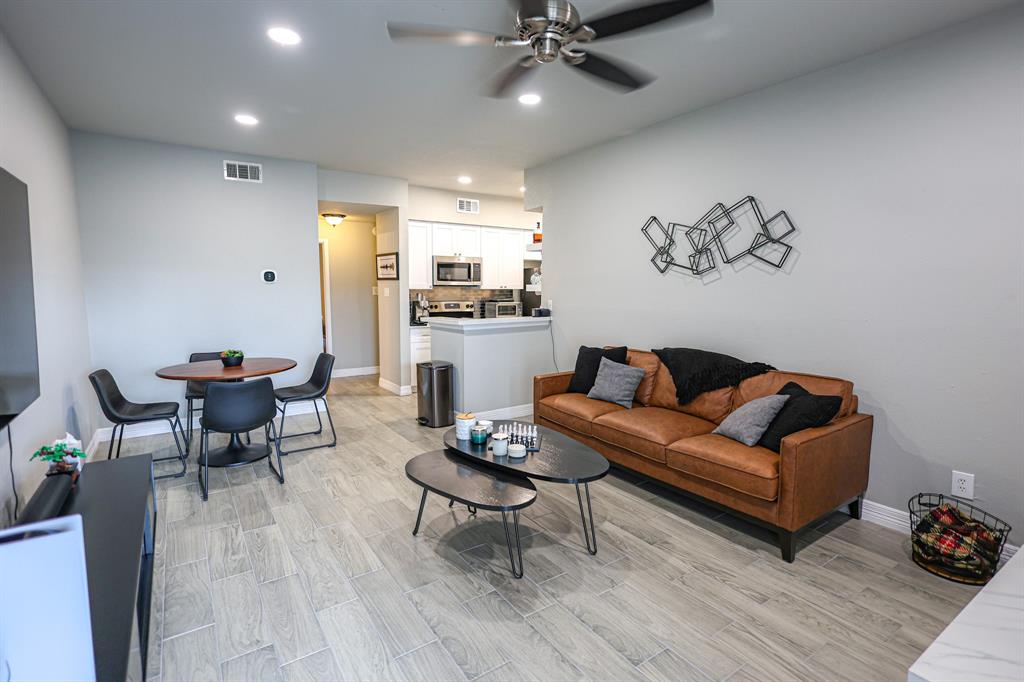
x,y
235,453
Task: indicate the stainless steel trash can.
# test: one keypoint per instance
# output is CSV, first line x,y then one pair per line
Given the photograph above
x,y
434,393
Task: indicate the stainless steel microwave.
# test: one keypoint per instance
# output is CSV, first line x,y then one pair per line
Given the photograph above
x,y
456,271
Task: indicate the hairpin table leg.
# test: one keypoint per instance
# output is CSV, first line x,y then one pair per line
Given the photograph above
x,y
517,570
589,536
423,501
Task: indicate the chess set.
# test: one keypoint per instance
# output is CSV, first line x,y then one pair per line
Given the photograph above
x,y
524,434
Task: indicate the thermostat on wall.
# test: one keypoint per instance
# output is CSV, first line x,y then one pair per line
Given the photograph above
x,y
269,276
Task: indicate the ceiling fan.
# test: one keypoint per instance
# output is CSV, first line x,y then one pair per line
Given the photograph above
x,y
551,29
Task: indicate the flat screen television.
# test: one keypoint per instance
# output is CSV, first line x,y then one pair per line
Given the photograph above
x,y
19,356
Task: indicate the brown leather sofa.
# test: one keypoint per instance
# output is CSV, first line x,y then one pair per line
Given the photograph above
x,y
816,470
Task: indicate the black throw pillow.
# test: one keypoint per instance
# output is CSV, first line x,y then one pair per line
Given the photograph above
x,y
803,410
588,361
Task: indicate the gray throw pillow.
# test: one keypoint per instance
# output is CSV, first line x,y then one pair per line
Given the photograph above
x,y
748,423
616,383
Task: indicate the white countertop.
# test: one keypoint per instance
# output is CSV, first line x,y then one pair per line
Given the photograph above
x,y
466,325
986,640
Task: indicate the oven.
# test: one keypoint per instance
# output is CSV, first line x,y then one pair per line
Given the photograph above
x,y
456,271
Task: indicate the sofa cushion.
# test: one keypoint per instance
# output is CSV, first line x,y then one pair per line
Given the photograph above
x,y
588,360
649,363
617,382
647,430
575,410
772,382
752,471
713,405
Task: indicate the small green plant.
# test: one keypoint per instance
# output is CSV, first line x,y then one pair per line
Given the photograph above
x,y
56,453
232,353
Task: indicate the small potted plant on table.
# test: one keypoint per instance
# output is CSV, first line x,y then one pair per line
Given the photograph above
x,y
64,456
232,357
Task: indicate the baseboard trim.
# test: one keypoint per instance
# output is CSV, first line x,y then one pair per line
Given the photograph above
x,y
102,434
898,519
507,412
354,372
393,387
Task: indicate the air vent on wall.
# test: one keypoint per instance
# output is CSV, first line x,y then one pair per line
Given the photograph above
x,y
468,205
243,172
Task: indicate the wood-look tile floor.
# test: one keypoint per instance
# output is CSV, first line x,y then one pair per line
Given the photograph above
x,y
321,578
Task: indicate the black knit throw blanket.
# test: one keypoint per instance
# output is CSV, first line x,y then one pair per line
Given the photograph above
x,y
698,371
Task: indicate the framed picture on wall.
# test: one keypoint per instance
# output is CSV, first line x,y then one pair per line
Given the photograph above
x,y
387,265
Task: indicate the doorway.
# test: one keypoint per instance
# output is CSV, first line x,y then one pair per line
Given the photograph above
x,y
325,295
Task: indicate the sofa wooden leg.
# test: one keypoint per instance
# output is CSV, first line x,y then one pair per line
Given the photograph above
x,y
787,543
855,507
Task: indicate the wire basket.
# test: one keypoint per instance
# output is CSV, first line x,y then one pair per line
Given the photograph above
x,y
954,539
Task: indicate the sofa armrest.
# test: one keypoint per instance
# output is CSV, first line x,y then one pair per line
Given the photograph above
x,y
549,384
823,468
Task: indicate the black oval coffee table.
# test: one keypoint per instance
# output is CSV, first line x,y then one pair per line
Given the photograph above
x,y
456,479
559,460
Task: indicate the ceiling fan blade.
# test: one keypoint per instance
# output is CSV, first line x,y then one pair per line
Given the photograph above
x,y
619,75
512,76
636,17
442,34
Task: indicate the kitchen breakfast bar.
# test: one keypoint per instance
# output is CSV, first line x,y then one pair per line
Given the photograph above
x,y
495,360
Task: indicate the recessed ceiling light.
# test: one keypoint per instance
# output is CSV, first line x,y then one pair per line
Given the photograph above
x,y
246,119
522,188
464,179
284,36
529,99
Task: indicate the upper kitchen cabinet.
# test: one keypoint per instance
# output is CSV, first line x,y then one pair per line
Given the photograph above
x,y
456,240
501,252
421,274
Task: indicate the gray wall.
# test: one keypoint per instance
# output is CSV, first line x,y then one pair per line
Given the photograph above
x,y
351,247
902,170
34,147
173,255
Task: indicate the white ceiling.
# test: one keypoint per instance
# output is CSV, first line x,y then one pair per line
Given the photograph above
x,y
350,99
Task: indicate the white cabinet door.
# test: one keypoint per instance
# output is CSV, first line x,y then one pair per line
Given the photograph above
x,y
420,255
467,240
490,258
443,239
511,272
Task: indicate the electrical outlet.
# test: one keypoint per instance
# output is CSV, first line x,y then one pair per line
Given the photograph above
x,y
963,485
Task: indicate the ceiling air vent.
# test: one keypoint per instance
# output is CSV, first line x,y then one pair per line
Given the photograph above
x,y
468,205
243,172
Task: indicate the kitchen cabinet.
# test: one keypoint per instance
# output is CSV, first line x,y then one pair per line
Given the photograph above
x,y
456,240
419,348
501,253
421,262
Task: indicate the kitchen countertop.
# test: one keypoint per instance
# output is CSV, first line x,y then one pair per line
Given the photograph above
x,y
467,325
984,641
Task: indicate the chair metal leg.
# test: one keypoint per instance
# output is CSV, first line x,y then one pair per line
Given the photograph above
x,y
204,463
589,536
320,428
182,453
279,471
113,432
188,441
517,572
419,515
119,437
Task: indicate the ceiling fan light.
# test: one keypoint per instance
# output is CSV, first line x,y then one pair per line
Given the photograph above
x,y
333,219
246,119
284,36
529,99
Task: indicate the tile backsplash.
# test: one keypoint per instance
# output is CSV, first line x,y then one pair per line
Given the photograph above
x,y
462,294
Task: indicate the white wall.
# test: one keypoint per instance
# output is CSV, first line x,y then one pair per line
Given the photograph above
x,y
173,255
903,172
34,147
351,248
392,235
438,205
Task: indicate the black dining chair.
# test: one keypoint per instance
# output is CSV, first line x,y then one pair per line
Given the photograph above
x,y
231,407
315,389
195,390
122,412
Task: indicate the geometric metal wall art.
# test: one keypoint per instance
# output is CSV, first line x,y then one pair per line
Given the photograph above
x,y
719,231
